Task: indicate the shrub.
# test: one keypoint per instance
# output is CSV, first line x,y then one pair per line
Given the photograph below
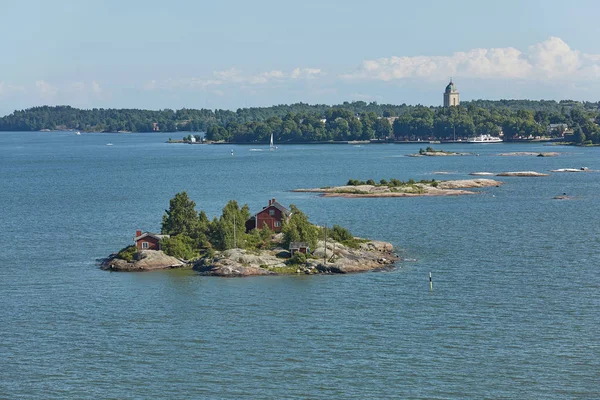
x,y
298,259
340,234
383,182
371,182
128,253
180,246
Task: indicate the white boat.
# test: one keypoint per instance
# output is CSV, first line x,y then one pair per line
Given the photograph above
x,y
484,139
271,145
78,133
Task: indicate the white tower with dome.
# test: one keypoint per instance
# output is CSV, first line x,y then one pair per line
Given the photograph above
x,y
451,98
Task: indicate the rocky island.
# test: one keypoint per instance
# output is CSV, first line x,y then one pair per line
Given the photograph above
x,y
396,188
430,152
274,241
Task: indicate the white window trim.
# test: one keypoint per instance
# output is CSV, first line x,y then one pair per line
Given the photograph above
x,y
145,245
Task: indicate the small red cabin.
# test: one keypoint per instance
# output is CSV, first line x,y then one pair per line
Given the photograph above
x,y
148,240
272,215
301,247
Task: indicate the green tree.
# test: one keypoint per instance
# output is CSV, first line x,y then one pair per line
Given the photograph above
x,y
181,217
299,229
579,136
229,231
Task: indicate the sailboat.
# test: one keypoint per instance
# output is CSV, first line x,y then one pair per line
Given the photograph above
x,y
271,145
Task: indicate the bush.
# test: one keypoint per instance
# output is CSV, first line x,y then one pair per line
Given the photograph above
x,y
340,234
298,259
371,182
180,246
128,253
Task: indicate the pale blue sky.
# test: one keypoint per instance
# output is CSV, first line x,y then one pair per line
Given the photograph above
x,y
230,54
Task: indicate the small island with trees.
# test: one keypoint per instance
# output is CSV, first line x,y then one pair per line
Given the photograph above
x,y
398,188
276,240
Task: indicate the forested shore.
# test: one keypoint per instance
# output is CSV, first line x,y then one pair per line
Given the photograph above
x,y
348,121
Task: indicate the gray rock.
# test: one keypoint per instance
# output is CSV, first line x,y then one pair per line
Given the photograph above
x,y
146,260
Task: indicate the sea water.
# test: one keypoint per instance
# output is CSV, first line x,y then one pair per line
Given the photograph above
x,y
513,312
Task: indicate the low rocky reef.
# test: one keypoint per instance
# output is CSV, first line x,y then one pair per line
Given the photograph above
x,y
430,152
530,153
144,260
582,169
408,189
511,173
332,257
523,174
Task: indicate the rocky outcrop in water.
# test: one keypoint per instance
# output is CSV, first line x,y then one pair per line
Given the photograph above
x,y
440,188
145,260
522,173
332,257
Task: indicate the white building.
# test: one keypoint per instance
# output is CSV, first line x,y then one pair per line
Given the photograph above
x,y
451,97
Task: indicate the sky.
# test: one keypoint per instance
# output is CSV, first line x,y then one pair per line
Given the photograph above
x,y
232,54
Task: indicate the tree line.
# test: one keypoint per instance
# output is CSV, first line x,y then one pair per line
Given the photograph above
x,y
302,122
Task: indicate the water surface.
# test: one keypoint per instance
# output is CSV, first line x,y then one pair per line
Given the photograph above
x,y
513,314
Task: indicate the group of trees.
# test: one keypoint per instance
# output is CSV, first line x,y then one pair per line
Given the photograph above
x,y
463,122
302,122
335,124
192,233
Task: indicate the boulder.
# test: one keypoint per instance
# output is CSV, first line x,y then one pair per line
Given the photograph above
x,y
145,260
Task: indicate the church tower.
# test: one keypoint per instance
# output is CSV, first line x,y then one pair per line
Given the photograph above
x,y
451,95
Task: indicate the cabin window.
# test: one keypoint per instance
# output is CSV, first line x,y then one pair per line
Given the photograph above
x,y
271,212
277,224
144,245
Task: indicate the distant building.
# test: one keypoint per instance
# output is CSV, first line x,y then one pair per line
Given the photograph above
x,y
272,216
155,126
148,240
301,247
451,96
557,128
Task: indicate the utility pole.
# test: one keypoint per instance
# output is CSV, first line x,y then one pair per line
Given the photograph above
x,y
325,252
234,233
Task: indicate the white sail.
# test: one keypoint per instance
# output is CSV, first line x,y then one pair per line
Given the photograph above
x,y
271,146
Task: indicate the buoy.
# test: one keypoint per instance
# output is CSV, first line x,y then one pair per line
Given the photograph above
x,y
231,152
430,283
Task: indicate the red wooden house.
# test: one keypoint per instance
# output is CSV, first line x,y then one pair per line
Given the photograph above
x,y
272,216
148,240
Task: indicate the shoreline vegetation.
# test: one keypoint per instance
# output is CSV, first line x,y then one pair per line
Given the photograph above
x,y
397,188
225,247
517,120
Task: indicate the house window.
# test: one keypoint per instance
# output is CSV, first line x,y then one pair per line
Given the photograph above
x,y
277,224
271,212
144,245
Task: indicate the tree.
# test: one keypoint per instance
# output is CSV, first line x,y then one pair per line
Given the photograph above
x,y
181,217
383,129
229,231
299,229
579,135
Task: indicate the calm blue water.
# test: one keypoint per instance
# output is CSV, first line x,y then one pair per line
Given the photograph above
x,y
513,314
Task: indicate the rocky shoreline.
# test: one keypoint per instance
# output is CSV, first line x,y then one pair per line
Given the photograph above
x,y
441,188
330,258
341,259
145,260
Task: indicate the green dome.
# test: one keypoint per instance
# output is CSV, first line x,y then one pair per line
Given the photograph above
x,y
450,87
